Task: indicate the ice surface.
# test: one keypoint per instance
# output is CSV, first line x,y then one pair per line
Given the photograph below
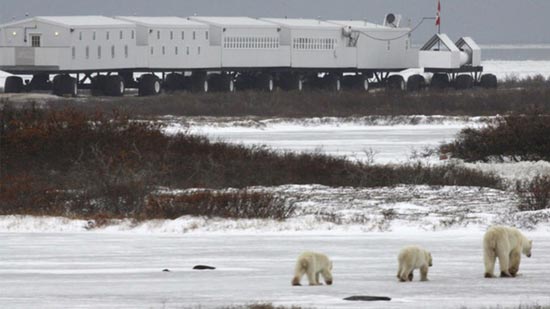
x,y
98,270
388,143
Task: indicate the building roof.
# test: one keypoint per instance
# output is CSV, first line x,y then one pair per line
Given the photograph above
x,y
170,21
302,23
84,21
234,21
364,25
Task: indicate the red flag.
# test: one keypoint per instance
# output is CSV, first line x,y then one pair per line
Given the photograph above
x,y
438,16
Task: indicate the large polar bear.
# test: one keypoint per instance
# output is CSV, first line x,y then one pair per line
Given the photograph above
x,y
411,258
506,243
313,264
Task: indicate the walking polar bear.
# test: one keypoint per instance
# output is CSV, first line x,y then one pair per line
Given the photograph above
x,y
506,243
313,264
411,258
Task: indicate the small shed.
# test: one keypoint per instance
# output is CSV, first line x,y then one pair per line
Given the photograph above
x,y
173,43
247,42
379,47
315,43
67,43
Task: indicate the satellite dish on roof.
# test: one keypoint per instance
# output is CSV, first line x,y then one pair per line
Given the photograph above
x,y
392,20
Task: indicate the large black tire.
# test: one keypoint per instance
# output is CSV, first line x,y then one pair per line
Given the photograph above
x,y
464,82
488,81
227,83
440,81
98,85
200,82
265,82
114,86
174,82
65,85
290,82
149,84
40,82
358,82
415,83
333,82
13,84
396,83
129,80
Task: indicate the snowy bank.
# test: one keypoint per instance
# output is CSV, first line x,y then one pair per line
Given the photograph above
x,y
321,209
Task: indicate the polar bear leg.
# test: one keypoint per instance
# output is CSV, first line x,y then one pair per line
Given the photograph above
x,y
489,259
311,275
515,258
406,273
504,262
424,273
317,278
327,276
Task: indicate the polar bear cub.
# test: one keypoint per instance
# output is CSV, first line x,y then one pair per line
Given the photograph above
x,y
411,258
506,243
313,264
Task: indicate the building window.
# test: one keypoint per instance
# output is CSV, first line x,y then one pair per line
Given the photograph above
x,y
80,36
194,35
206,35
108,36
152,50
133,34
187,51
158,35
171,35
121,35
73,52
164,50
93,36
176,50
125,51
113,51
35,40
198,50
183,35
99,52
87,52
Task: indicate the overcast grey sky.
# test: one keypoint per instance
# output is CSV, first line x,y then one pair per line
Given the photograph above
x,y
488,21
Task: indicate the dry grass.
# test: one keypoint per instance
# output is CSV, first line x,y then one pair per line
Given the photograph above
x,y
68,163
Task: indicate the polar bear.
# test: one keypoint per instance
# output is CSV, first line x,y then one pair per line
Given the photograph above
x,y
313,264
506,243
411,258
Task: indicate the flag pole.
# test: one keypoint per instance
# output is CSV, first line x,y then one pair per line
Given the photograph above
x,y
439,14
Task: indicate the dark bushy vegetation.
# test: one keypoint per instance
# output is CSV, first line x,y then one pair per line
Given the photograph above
x,y
240,204
64,162
476,102
516,137
534,194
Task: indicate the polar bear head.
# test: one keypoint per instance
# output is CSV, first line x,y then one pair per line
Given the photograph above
x,y
429,258
527,246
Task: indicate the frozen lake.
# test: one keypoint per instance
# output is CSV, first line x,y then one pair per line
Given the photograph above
x,y
390,143
101,270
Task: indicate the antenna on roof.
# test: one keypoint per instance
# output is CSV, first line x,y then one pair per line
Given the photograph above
x,y
26,14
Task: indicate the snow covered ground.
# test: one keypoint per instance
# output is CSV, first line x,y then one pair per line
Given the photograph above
x,y
354,138
379,140
104,270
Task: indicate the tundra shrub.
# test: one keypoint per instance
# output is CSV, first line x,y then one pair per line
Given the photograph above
x,y
68,163
516,137
534,194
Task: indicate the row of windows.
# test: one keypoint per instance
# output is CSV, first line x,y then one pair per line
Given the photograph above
x,y
181,35
121,35
251,42
163,50
99,53
314,43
